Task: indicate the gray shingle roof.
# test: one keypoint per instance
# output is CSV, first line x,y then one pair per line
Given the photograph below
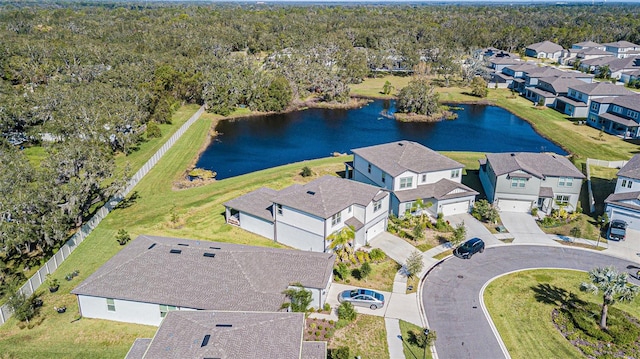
x,y
561,84
545,46
441,190
138,348
631,169
619,199
628,63
258,203
314,350
539,165
631,102
524,67
587,44
594,51
620,44
231,335
235,279
601,89
618,119
545,71
397,157
328,195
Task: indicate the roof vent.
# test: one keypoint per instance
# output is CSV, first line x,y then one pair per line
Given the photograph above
x,y
214,247
151,246
183,244
513,155
311,193
400,144
224,325
210,255
175,251
205,341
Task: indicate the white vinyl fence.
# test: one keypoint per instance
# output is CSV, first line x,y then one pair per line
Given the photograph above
x,y
37,279
599,163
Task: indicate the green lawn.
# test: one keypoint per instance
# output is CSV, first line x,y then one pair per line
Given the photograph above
x,y
520,305
366,337
412,351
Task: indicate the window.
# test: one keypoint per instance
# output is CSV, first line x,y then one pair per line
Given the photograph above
x,y
616,109
336,218
369,167
455,173
518,182
164,309
111,306
624,183
632,114
377,205
349,209
594,106
629,184
406,182
562,199
279,208
384,177
565,181
424,178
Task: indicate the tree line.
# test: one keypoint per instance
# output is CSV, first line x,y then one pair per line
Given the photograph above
x,y
88,81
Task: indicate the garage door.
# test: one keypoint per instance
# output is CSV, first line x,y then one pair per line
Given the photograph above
x,y
633,222
509,205
375,230
455,208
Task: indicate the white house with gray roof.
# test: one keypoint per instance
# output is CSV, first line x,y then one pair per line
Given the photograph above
x,y
154,275
222,334
304,216
544,50
618,116
578,98
624,202
412,171
518,182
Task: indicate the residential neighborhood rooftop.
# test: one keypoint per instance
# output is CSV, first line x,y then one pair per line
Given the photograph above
x,y
398,157
221,334
545,46
205,275
631,169
537,164
601,89
589,43
441,190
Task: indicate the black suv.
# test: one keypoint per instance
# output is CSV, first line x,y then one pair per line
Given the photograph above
x,y
617,230
469,248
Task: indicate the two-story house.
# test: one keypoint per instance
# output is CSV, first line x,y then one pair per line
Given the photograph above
x,y
304,216
512,76
588,45
579,96
532,77
550,88
411,171
544,50
624,202
622,49
518,182
618,116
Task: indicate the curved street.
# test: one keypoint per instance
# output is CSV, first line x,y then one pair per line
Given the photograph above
x,y
451,292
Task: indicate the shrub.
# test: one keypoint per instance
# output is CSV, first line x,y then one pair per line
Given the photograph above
x,y
313,326
459,233
327,307
534,211
342,270
377,255
122,237
365,270
153,130
340,353
306,172
575,232
347,312
299,298
414,263
360,256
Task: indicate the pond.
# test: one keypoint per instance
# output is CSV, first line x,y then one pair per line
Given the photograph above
x,y
246,145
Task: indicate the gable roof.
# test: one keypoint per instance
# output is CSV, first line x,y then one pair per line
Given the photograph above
x,y
621,44
539,165
561,84
258,203
601,89
220,334
628,63
631,169
624,199
545,46
594,51
441,190
523,67
587,44
398,157
631,102
545,71
328,195
234,279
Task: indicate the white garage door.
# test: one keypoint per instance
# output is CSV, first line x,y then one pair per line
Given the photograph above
x,y
455,208
633,222
509,205
375,230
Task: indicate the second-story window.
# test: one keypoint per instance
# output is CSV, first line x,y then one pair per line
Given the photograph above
x,y
336,218
629,184
594,106
279,209
565,181
406,182
377,205
518,182
455,173
384,177
369,167
424,178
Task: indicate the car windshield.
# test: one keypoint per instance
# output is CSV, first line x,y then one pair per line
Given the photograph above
x,y
616,224
466,245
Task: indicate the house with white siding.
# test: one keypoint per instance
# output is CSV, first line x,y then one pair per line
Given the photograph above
x,y
624,202
518,182
304,216
153,275
622,49
411,171
223,334
578,98
544,50
618,116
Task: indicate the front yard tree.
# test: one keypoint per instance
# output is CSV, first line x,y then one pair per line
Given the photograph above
x,y
299,298
479,87
614,288
414,263
341,240
459,233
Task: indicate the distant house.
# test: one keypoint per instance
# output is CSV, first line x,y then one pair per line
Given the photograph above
x,y
412,172
221,334
624,202
518,182
588,45
304,216
616,115
531,77
550,88
544,50
512,76
579,96
154,275
622,49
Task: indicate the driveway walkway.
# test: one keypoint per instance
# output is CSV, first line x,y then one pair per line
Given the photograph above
x,y
396,248
474,227
524,229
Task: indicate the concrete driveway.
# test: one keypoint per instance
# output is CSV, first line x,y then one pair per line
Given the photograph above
x,y
475,228
629,248
396,248
524,229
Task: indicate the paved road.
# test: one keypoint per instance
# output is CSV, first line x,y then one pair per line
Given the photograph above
x,y
451,293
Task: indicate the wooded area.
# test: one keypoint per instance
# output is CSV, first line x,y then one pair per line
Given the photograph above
x,y
87,82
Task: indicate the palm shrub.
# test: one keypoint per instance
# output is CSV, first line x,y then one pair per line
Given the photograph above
x,y
377,255
347,312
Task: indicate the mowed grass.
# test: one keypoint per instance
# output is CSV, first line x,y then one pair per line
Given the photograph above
x,y
520,305
412,351
366,337
372,87
381,276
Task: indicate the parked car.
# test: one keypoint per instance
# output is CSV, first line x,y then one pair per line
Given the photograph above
x,y
617,230
469,248
363,298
